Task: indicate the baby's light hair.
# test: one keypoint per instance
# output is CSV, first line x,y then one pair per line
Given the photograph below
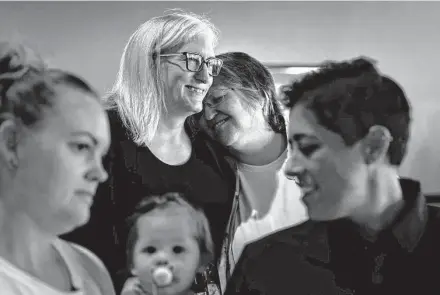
x,y
162,202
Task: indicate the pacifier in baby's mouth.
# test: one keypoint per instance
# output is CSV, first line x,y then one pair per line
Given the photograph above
x,y
162,276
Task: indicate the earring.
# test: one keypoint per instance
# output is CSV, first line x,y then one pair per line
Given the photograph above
x,y
369,155
368,151
13,163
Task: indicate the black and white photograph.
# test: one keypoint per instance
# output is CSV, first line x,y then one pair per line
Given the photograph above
x,y
219,148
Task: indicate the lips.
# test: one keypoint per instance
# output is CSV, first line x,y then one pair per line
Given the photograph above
x,y
87,195
219,123
196,90
306,194
305,183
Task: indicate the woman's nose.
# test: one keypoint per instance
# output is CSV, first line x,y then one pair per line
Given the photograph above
x,y
203,75
209,112
97,172
293,167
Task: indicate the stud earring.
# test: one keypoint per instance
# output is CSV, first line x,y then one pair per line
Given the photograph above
x,y
13,164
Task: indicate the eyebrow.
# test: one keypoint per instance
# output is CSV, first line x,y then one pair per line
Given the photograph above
x,y
218,95
85,133
202,54
300,136
220,92
95,141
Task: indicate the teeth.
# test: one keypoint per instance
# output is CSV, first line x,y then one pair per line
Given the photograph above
x,y
197,90
219,123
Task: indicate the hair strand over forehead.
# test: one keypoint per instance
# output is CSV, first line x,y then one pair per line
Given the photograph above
x,y
350,97
247,75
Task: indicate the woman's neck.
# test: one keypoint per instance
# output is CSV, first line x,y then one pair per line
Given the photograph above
x,y
264,148
171,144
22,243
383,202
170,130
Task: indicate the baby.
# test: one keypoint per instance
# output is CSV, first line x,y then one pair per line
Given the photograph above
x,y
168,244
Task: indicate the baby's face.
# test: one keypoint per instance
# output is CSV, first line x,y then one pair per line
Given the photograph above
x,y
166,238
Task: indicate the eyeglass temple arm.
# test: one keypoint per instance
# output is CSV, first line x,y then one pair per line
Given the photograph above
x,y
171,54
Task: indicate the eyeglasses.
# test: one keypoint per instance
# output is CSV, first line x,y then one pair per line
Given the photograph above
x,y
194,62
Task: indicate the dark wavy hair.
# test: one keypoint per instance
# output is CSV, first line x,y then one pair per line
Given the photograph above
x,y
354,96
242,72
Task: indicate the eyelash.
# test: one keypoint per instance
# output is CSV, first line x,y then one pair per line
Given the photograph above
x,y
193,58
176,249
150,250
308,150
81,146
217,99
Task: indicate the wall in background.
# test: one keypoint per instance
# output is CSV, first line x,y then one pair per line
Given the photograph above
x,y
88,38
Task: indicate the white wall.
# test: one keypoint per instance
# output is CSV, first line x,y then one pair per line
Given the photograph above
x,y
88,38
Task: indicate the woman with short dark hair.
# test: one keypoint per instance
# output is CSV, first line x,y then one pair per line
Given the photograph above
x,y
241,112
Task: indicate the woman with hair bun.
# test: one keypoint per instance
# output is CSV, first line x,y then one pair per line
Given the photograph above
x,y
53,136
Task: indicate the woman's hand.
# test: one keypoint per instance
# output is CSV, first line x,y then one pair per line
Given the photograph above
x,y
132,287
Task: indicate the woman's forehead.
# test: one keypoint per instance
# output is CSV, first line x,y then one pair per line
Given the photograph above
x,y
303,124
75,110
70,102
201,44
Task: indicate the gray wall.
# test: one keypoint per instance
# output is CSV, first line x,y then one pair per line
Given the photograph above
x,y
88,38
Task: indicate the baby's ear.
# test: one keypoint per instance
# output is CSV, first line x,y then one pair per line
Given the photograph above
x,y
202,267
133,271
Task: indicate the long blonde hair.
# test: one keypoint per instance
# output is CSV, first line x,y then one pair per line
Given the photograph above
x,y
138,92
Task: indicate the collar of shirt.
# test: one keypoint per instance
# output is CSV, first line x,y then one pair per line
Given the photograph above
x,y
407,228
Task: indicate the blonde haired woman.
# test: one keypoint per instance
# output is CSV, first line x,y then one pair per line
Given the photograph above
x,y
165,72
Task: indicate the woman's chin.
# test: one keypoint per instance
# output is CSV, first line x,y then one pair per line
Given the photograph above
x,y
194,106
198,107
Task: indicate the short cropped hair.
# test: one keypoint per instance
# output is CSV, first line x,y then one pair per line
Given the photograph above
x,y
27,84
244,73
356,97
162,202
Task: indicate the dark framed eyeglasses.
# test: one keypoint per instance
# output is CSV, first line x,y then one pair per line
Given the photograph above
x,y
194,62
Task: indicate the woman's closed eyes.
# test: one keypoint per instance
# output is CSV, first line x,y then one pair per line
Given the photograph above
x,y
308,149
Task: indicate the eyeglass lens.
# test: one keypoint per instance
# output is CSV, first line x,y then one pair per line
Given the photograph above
x,y
195,62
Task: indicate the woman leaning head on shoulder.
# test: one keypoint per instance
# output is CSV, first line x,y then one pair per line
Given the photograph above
x,y
53,135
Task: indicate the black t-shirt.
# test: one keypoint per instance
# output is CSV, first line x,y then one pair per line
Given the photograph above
x,y
134,173
287,262
404,258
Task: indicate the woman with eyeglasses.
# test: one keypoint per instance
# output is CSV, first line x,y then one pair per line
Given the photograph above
x,y
166,69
